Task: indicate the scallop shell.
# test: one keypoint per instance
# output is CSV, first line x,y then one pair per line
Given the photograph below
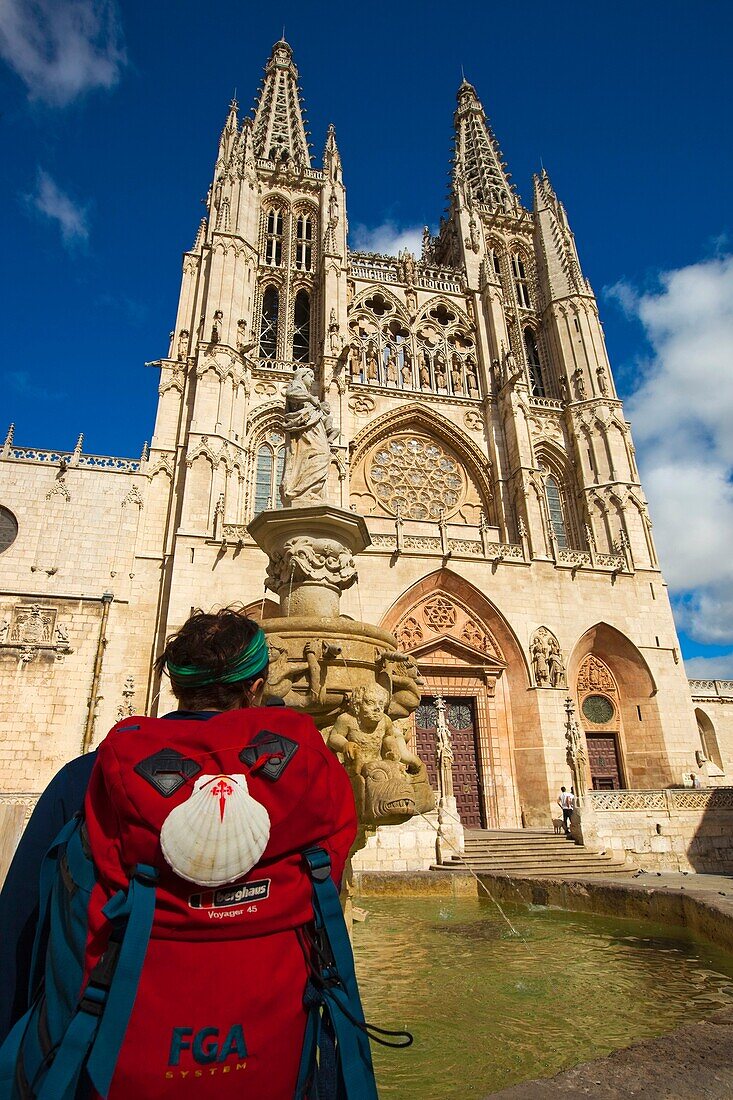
x,y
218,834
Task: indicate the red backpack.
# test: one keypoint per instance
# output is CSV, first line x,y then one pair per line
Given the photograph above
x,y
157,983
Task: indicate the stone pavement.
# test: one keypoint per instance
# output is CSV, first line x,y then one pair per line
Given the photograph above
x,y
690,1063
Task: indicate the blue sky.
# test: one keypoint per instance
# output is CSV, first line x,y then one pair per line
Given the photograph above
x,y
110,115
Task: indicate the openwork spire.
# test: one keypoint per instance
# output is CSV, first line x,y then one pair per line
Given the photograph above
x,y
555,243
478,166
279,132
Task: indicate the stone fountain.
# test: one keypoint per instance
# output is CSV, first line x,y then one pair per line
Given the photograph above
x,y
348,675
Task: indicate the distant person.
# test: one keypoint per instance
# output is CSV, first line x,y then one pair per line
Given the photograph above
x,y
566,801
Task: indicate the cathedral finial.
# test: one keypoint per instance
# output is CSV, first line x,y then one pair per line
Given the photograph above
x,y
8,440
479,171
279,131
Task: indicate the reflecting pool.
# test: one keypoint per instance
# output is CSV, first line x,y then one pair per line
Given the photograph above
x,y
489,1008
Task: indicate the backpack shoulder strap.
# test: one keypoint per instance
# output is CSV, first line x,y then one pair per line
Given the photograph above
x,y
337,995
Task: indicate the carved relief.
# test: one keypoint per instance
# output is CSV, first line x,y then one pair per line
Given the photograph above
x,y
125,709
362,405
547,659
593,675
305,558
442,615
265,389
32,625
473,421
409,632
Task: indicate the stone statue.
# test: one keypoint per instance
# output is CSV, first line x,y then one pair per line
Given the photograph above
x,y
555,663
539,652
471,380
241,334
441,377
307,449
62,634
4,626
355,362
575,753
456,375
406,370
579,382
183,344
216,327
332,432
372,367
424,371
602,379
408,267
391,367
390,782
335,339
411,301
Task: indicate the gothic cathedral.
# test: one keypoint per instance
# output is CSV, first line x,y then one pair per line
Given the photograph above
x,y
476,428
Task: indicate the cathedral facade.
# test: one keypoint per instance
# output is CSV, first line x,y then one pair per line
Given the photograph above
x,y
476,427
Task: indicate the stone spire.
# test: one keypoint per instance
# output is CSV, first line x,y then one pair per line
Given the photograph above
x,y
279,133
479,171
555,243
229,134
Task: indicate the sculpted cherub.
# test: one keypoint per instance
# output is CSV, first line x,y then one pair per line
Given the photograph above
x,y
368,734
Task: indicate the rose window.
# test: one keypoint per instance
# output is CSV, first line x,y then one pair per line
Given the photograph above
x,y
416,477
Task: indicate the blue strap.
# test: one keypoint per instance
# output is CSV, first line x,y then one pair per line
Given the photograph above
x,y
49,870
137,908
62,1078
341,993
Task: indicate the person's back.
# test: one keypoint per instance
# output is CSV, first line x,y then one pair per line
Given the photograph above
x,y
189,867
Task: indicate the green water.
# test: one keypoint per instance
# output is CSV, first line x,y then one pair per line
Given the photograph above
x,y
489,1009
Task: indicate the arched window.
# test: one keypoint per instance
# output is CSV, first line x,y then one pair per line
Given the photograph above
x,y
274,238
557,514
520,281
533,362
302,327
268,326
304,243
269,471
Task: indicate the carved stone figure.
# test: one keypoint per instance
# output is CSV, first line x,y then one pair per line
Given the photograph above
x,y
602,379
62,634
4,625
307,558
471,379
216,327
307,449
555,663
406,370
539,652
424,371
335,340
390,782
408,267
579,382
411,301
372,367
575,753
456,374
183,344
355,362
441,377
391,367
332,432
241,334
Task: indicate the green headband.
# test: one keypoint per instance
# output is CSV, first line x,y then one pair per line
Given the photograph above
x,y
251,660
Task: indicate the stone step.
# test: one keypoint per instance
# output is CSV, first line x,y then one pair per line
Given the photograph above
x,y
582,871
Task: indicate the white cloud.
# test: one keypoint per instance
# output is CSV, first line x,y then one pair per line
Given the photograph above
x,y
710,668
62,48
387,238
682,417
49,200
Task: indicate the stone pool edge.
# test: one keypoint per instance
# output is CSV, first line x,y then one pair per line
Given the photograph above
x,y
702,911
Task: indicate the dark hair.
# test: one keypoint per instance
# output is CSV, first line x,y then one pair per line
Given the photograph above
x,y
212,642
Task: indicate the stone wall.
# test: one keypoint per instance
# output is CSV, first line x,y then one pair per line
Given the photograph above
x,y
672,830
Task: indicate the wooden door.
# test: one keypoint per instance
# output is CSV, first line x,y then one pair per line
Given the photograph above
x,y
603,759
460,714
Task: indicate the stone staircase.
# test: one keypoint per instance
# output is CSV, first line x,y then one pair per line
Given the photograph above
x,y
533,853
